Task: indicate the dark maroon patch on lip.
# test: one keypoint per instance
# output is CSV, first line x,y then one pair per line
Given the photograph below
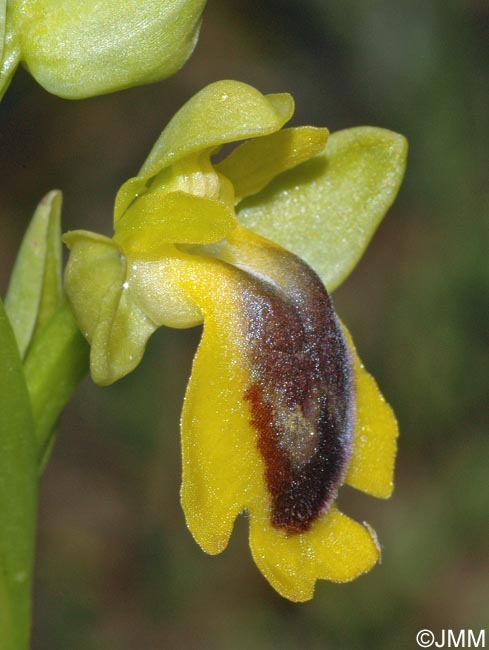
x,y
300,391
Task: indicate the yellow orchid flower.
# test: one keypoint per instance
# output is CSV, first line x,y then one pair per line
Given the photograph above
x,y
279,411
82,48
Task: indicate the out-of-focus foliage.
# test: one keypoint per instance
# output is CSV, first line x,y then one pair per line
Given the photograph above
x,y
117,568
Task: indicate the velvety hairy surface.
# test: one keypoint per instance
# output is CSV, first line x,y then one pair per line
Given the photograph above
x,y
300,394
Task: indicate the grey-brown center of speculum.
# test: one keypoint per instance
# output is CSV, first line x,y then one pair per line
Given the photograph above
x,y
296,435
300,391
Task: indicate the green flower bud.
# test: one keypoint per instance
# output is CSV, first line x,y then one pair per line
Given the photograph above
x,y
86,48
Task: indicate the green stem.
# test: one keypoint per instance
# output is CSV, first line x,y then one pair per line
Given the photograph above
x,y
31,400
18,494
7,634
56,363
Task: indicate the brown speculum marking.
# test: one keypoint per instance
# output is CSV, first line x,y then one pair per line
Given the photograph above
x,y
300,392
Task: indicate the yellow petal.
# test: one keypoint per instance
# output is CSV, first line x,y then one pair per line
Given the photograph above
x,y
252,165
335,548
371,466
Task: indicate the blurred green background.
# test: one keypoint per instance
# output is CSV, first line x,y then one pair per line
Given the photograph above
x,y
117,568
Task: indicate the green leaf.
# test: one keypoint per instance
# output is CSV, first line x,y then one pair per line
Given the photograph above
x,y
56,363
52,288
327,209
34,291
18,490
